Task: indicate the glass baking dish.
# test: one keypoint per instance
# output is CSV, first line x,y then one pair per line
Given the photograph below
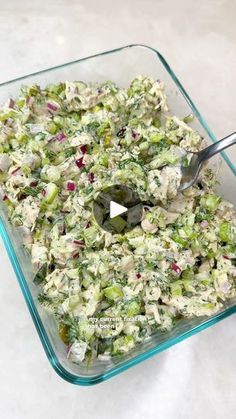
x,y
119,65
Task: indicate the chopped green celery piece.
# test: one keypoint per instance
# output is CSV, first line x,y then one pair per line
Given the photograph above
x,y
211,254
113,293
189,118
209,306
210,202
188,285
165,157
133,308
123,344
73,301
156,137
225,232
157,122
187,274
57,89
52,128
176,237
45,161
5,115
90,235
144,146
51,192
190,233
206,281
33,90
118,223
102,128
87,280
20,103
25,170
22,137
97,108
104,160
59,120
196,246
176,288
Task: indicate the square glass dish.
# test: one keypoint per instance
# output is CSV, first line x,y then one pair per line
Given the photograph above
x,y
121,66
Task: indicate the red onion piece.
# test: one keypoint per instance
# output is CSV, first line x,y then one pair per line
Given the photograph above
x,y
60,136
33,183
91,177
176,268
83,149
135,135
52,106
71,186
15,171
79,163
11,103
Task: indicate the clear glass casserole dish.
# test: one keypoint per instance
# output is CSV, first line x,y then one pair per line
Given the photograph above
x,y
121,66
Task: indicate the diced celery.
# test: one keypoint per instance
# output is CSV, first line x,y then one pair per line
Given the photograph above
x,y
189,118
52,128
102,128
190,233
118,223
123,344
51,192
210,202
104,160
133,308
25,170
155,137
176,237
225,232
157,122
176,288
90,235
113,293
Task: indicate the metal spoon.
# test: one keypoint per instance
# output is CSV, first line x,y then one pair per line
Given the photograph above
x,y
190,173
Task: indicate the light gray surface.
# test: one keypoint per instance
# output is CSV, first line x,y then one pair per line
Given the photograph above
x,y
196,378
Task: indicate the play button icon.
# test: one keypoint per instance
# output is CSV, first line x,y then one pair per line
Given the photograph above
x,y
117,209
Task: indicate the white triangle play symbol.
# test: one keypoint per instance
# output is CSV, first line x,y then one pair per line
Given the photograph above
x,y
116,209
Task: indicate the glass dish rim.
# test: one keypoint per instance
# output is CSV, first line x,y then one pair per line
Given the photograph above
x,y
66,375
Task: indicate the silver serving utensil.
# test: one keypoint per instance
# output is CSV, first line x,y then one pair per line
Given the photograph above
x,y
190,173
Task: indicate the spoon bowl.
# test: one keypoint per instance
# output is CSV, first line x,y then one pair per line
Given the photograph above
x,y
189,174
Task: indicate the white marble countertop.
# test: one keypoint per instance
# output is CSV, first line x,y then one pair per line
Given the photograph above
x,y
196,378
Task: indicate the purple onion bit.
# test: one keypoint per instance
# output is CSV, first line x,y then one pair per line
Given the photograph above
x,y
60,136
79,163
91,177
71,186
52,106
83,149
135,135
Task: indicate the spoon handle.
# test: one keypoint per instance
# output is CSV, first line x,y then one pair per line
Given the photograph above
x,y
215,148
